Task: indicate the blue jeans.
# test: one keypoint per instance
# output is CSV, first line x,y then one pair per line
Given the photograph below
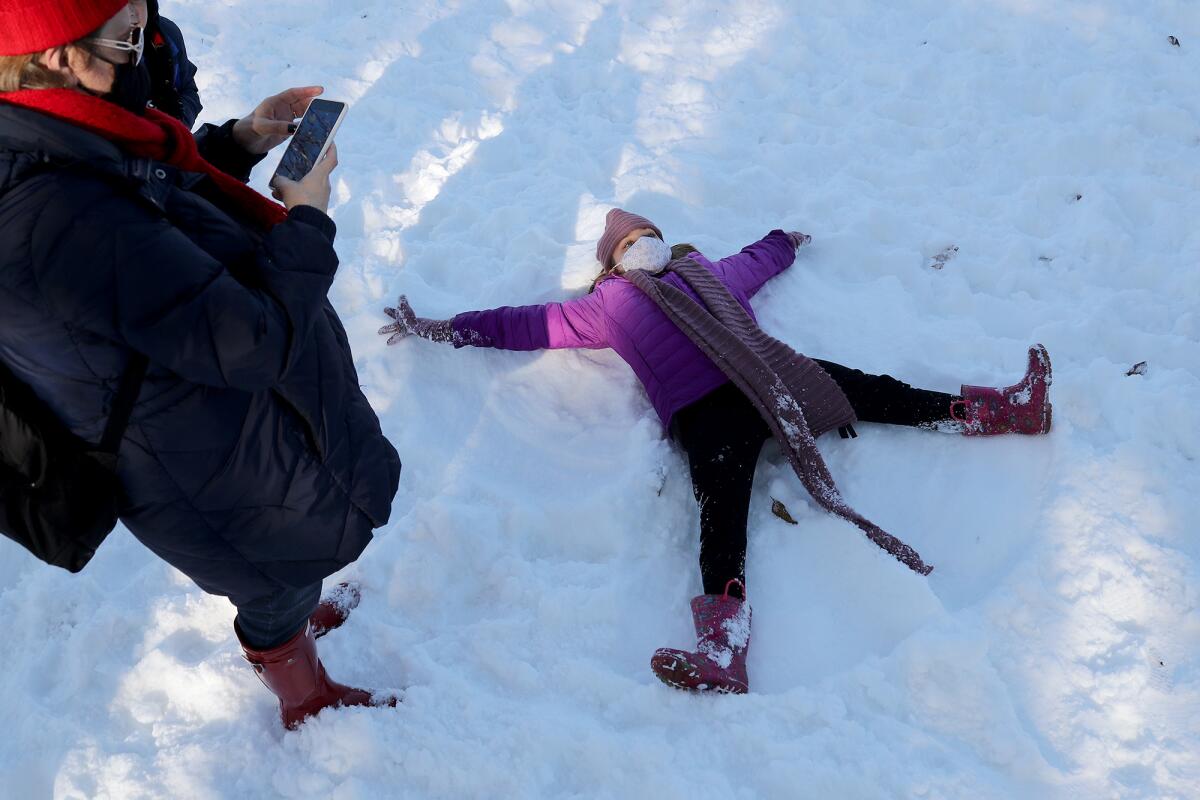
x,y
269,621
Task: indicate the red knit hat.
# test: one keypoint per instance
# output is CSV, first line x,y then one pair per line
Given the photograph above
x,y
30,26
617,225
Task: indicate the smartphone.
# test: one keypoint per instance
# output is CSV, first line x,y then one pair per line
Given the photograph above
x,y
312,138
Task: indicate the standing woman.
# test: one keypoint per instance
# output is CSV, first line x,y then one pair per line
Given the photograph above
x,y
171,74
252,461
723,387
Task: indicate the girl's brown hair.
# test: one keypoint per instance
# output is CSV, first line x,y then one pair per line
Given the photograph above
x,y
678,251
682,250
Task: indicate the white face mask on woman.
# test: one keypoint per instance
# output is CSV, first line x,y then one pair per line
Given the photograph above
x,y
649,253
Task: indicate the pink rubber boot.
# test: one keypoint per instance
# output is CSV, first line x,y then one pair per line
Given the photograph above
x,y
719,663
1021,408
334,609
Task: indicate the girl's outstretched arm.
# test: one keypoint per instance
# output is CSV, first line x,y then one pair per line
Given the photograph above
x,y
756,264
573,324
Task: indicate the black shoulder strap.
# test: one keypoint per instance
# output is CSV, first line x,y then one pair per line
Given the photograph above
x,y
127,393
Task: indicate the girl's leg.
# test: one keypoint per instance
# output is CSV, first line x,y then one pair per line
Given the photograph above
x,y
882,398
1021,408
723,435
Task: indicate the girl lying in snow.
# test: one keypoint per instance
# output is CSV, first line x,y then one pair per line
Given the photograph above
x,y
722,387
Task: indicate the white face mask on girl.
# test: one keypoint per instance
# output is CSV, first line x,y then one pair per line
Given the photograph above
x,y
649,253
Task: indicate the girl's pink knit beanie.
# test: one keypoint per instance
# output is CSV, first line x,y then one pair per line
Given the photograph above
x,y
617,225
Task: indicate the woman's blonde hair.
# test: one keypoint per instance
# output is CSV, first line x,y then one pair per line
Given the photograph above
x,y
26,72
22,72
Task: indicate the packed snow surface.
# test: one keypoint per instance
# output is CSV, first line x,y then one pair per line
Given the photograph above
x,y
544,539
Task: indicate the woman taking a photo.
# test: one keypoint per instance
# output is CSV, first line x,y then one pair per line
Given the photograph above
x,y
252,462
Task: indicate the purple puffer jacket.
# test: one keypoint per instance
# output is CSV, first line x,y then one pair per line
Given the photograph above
x,y
618,315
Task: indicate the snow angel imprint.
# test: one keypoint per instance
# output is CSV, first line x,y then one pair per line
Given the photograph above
x,y
722,387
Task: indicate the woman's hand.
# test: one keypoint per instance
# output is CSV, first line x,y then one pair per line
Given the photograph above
x,y
311,190
799,239
404,323
269,125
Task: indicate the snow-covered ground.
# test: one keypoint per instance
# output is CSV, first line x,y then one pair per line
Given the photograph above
x,y
544,539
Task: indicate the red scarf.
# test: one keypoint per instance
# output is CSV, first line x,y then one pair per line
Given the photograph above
x,y
155,136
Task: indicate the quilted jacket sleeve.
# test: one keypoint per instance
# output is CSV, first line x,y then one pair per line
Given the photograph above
x,y
756,264
576,323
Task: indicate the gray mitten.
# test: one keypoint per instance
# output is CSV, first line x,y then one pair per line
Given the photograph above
x,y
799,239
407,323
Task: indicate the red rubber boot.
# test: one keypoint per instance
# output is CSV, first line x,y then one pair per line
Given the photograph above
x,y
719,662
334,608
1021,408
295,675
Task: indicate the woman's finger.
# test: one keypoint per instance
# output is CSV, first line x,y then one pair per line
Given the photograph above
x,y
279,182
299,98
299,94
267,127
328,164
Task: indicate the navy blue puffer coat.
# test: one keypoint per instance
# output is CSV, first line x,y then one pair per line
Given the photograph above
x,y
253,461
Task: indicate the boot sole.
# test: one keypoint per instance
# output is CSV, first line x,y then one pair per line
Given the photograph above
x,y
702,688
682,675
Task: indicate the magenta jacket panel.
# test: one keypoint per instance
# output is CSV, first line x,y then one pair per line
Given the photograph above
x,y
618,315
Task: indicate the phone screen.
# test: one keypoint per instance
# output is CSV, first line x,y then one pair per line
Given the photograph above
x,y
309,140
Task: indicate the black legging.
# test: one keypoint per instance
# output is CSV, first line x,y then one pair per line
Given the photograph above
x,y
723,434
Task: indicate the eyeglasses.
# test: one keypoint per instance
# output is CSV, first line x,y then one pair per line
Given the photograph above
x,y
135,45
